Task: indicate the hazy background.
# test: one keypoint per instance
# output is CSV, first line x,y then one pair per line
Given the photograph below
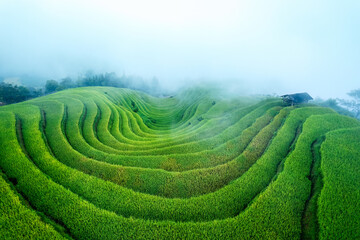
x,y
268,46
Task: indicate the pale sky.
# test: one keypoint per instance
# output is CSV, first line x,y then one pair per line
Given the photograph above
x,y
263,46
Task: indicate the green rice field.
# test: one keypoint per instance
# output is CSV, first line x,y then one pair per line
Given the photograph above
x,y
110,163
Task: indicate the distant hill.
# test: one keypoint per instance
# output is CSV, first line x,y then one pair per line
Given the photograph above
x,y
110,163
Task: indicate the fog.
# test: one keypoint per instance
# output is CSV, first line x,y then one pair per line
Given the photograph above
x,y
251,45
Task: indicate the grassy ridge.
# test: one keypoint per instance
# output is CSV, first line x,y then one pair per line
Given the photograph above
x,y
107,163
158,180
341,170
18,221
119,200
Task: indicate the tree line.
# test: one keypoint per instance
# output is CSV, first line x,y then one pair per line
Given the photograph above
x,y
349,107
12,93
106,79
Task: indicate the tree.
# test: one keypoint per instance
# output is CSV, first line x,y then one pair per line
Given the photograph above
x,y
13,94
66,83
35,92
51,86
353,105
334,104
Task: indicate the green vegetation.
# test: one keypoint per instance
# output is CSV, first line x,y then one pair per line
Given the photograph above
x,y
17,218
12,93
107,163
339,205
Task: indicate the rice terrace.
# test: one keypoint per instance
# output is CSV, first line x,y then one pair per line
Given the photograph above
x,y
111,163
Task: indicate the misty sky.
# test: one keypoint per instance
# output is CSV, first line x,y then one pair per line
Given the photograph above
x,y
263,46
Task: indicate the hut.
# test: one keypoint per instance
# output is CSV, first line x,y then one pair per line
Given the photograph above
x,y
296,98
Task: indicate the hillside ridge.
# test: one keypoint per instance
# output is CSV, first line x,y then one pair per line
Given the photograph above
x,y
110,163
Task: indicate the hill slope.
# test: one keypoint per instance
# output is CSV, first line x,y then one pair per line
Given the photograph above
x,y
107,163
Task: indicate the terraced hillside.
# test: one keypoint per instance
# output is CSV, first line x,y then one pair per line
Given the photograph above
x,y
107,163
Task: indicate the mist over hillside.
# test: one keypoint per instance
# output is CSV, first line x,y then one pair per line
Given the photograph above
x,y
255,46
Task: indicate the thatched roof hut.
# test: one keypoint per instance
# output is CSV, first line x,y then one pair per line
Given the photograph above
x,y
296,98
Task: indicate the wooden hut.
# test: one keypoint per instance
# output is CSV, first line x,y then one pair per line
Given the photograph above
x,y
296,98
